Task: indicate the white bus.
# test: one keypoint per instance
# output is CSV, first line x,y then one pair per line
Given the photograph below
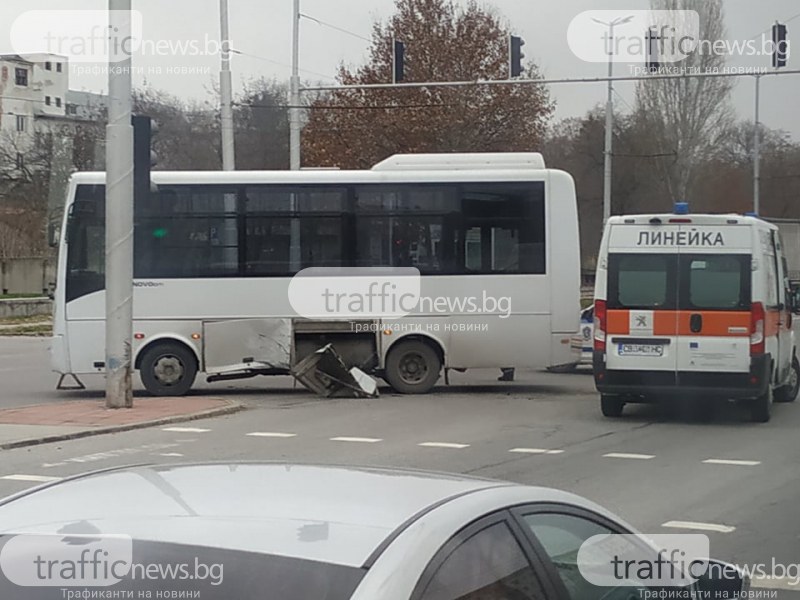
x,y
215,253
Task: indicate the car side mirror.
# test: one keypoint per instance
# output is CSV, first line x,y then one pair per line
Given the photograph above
x,y
723,581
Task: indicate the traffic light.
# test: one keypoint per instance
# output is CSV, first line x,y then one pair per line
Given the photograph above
x,y
780,48
143,158
398,63
652,62
515,56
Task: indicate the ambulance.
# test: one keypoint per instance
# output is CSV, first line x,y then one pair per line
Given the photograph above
x,y
693,308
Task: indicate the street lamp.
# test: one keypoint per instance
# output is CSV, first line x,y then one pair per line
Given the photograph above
x,y
609,114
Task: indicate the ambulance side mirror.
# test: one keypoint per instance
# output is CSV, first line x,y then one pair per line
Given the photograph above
x,y
794,299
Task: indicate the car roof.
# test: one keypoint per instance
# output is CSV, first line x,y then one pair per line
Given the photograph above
x,y
337,515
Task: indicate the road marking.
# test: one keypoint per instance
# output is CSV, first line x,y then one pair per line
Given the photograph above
x,y
171,454
271,434
535,451
738,463
629,456
775,583
357,440
699,526
97,456
51,465
186,429
34,478
443,445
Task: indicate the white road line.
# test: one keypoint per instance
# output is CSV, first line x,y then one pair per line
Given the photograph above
x,y
51,465
171,454
357,440
34,478
443,445
775,583
271,434
738,463
186,429
535,451
699,526
629,456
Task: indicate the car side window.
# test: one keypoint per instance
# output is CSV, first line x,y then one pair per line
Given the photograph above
x,y
561,537
488,565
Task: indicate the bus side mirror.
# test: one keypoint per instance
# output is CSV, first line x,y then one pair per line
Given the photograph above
x,y
53,234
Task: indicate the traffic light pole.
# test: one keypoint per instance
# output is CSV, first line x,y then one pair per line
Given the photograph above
x,y
119,213
757,150
226,93
294,83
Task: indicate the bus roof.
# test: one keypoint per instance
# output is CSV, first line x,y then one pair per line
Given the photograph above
x,y
321,177
453,167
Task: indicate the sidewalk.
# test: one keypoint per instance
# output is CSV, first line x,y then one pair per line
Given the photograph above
x,y
40,424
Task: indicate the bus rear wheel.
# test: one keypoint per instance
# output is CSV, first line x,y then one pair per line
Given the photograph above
x,y
412,367
168,369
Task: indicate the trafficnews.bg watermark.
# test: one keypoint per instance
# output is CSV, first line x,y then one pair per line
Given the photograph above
x,y
664,37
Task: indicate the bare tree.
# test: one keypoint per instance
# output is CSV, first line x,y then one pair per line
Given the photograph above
x,y
445,41
262,126
687,117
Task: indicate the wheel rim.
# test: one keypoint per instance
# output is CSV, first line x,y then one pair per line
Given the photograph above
x,y
413,368
168,370
794,381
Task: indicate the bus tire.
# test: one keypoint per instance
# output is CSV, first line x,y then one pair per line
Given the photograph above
x,y
761,407
611,406
788,393
412,367
168,369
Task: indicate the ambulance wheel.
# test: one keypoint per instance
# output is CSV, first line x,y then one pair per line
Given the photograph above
x,y
761,407
611,406
788,393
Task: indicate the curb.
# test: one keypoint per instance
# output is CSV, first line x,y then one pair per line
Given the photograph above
x,y
231,408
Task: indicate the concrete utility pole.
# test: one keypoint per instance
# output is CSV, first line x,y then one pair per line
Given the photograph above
x,y
294,99
226,92
119,210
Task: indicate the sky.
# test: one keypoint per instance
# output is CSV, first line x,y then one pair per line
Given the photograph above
x,y
261,30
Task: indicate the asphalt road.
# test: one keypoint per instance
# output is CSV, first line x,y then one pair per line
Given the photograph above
x,y
739,479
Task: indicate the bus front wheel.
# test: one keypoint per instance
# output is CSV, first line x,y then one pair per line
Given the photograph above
x,y
168,369
412,367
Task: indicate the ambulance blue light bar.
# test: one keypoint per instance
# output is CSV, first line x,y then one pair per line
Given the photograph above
x,y
681,208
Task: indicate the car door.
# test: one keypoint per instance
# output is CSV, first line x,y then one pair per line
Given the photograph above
x,y
487,560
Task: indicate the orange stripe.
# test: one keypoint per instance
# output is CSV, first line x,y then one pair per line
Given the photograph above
x,y
672,323
619,322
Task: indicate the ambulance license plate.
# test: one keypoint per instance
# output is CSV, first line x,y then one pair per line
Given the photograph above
x,y
641,350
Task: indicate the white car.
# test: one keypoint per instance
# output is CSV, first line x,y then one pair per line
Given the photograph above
x,y
238,531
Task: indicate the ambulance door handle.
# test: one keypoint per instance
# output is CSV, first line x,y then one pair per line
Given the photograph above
x,y
696,323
